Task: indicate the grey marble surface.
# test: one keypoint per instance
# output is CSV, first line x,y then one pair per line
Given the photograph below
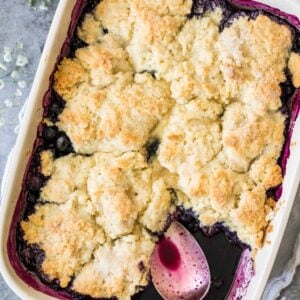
x,y
21,24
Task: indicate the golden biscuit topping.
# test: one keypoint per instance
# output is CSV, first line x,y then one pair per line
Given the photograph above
x,y
294,66
67,233
211,99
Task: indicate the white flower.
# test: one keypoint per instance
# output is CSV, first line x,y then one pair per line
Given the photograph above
x,y
43,6
2,122
14,74
17,128
3,67
21,61
22,84
7,57
19,45
8,103
18,93
2,84
39,4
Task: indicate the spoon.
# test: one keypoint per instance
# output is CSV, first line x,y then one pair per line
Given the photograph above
x,y
179,267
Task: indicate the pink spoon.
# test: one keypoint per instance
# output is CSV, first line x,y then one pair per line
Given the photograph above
x,y
179,267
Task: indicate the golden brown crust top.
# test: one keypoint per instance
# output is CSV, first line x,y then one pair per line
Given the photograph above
x,y
69,75
211,97
115,118
250,214
253,56
109,198
68,174
246,135
67,234
294,66
115,271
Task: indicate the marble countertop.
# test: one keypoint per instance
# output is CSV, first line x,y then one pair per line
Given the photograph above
x,y
23,30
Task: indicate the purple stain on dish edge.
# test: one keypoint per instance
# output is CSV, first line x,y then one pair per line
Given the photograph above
x,y
245,269
244,274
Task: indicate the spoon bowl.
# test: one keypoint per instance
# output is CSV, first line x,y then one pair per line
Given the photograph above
x,y
179,267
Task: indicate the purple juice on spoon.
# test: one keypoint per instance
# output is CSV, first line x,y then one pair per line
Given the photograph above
x,y
179,267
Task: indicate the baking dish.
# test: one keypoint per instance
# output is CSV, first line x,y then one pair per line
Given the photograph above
x,y
27,134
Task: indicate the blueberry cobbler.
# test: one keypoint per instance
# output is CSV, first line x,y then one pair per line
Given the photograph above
x,y
160,151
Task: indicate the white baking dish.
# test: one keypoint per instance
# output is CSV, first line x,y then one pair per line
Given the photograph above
x,y
27,135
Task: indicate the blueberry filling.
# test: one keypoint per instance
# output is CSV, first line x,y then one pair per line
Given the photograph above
x,y
287,93
31,198
200,7
296,44
227,22
75,44
34,183
63,143
91,5
151,148
55,140
141,266
50,133
217,282
219,244
32,256
55,108
287,89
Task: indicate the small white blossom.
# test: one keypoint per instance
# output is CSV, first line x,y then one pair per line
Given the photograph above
x,y
17,128
3,67
7,57
2,84
22,84
18,93
2,122
8,103
21,61
14,74
43,6
19,45
40,4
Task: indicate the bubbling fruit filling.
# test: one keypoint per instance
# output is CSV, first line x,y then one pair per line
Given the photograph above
x,y
160,157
